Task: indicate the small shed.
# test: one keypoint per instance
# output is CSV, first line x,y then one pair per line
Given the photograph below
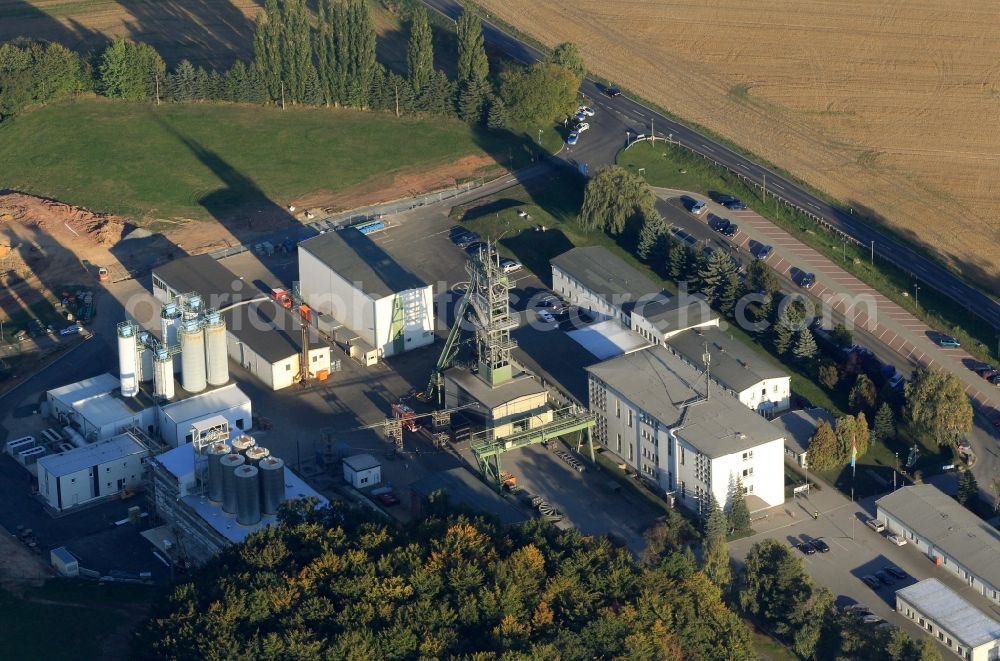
x,y
362,471
64,562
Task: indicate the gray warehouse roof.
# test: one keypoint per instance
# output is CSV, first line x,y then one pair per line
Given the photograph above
x,y
359,260
211,401
465,489
961,619
521,385
799,426
88,456
362,462
734,364
940,519
677,313
661,384
607,274
202,274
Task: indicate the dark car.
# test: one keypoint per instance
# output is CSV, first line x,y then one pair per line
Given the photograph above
x,y
612,92
807,548
870,581
995,380
735,205
895,571
983,368
730,229
807,280
718,224
821,546
764,251
884,578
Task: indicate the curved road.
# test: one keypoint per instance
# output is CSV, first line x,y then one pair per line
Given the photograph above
x,y
634,116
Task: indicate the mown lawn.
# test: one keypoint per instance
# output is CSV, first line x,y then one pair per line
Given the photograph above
x,y
204,160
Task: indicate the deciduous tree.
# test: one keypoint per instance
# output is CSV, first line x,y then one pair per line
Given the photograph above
x,y
130,71
862,395
823,454
937,406
473,66
419,50
539,95
613,198
567,55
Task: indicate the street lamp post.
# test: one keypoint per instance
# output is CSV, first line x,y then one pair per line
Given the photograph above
x,y
896,470
916,295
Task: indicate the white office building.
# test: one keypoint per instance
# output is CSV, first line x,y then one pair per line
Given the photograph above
x,y
952,621
95,409
750,377
362,471
954,538
597,280
177,419
656,412
91,472
344,275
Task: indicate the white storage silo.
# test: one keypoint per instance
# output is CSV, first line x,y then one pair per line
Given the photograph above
x,y
128,358
163,374
247,495
215,452
216,353
170,320
146,342
192,337
272,484
229,464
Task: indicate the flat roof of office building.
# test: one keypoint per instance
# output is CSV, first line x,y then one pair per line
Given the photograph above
x,y
206,276
522,385
601,271
95,454
202,403
674,392
971,626
74,392
733,364
359,260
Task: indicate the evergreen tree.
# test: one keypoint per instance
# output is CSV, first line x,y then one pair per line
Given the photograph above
x,y
181,84
256,88
828,375
438,95
654,238
473,65
846,431
313,92
419,50
716,275
805,346
885,424
862,395
739,513
325,47
715,563
296,49
267,48
823,447
760,278
782,336
968,489
677,260
201,84
472,101
497,117
398,94
729,292
862,433
716,525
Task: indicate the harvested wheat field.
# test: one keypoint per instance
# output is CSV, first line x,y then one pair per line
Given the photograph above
x,y
888,106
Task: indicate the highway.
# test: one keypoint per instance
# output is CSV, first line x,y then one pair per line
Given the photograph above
x,y
634,116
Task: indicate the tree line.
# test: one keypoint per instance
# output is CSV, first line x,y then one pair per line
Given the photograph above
x,y
304,59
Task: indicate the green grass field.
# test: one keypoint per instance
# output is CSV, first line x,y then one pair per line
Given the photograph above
x,y
205,160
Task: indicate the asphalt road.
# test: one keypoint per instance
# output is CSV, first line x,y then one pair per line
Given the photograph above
x,y
623,114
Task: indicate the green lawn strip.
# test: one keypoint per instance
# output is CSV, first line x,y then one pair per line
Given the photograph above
x,y
201,160
674,167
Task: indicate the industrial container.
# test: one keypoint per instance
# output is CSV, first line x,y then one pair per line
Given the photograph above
x,y
229,464
272,484
247,495
215,452
128,358
216,353
192,336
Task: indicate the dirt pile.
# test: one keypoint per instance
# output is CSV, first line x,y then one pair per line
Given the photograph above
x,y
54,217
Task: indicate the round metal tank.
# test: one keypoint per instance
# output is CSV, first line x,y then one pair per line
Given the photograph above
x,y
215,452
272,484
163,375
128,358
243,443
229,464
192,356
247,495
170,319
216,353
255,454
145,357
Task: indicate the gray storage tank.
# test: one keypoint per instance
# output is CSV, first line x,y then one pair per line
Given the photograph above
x,y
255,454
215,452
229,464
243,443
247,495
272,484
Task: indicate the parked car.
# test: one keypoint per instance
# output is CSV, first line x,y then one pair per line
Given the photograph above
x,y
871,581
884,578
730,202
989,374
875,525
896,539
612,92
764,251
572,138
718,224
580,117
581,127
545,316
730,230
549,301
807,280
872,619
895,571
698,207
807,548
821,546
586,110
510,265
982,368
947,341
102,274
858,609
896,380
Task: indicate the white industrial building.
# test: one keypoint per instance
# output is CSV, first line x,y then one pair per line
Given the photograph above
x,y
952,537
734,366
362,471
177,419
95,410
685,436
91,472
595,279
253,329
344,275
952,621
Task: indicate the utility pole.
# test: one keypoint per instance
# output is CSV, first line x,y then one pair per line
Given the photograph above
x,y
652,130
282,95
916,295
765,187
873,253
157,88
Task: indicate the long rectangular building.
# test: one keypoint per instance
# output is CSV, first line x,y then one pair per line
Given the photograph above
x,y
657,413
95,471
952,536
951,620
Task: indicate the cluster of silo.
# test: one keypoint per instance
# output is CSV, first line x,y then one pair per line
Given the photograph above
x,y
246,479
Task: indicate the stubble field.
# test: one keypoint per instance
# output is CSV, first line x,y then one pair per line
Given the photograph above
x,y
890,107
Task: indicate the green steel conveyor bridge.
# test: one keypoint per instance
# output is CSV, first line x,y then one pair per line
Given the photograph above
x,y
488,449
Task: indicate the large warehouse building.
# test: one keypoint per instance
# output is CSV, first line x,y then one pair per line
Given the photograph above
x,y
952,536
952,621
262,336
599,281
656,412
95,409
346,276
